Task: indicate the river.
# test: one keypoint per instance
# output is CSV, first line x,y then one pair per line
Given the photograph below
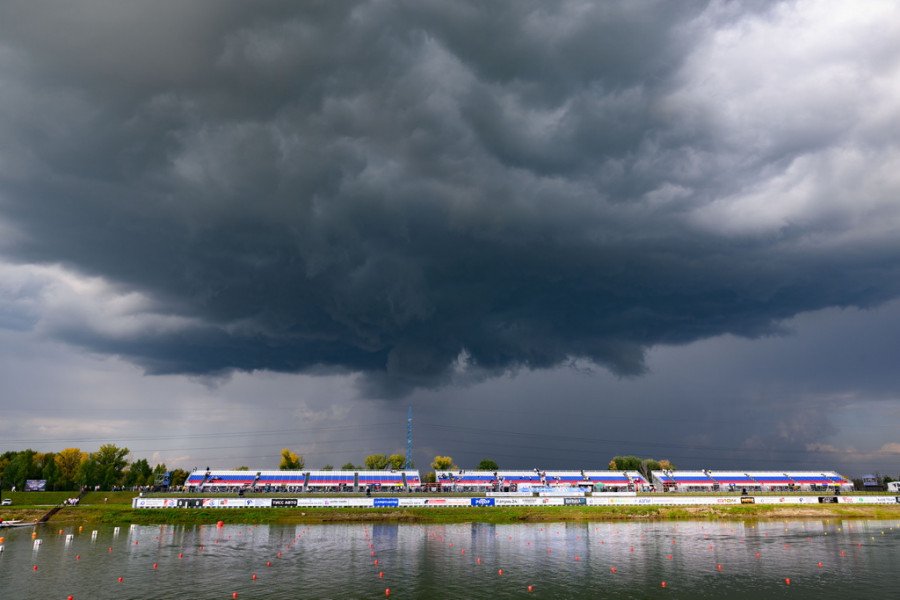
x,y
794,559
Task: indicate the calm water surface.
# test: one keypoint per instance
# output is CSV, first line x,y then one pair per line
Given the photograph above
x,y
859,559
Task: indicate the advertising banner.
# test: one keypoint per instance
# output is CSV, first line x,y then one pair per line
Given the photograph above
x,y
574,501
35,485
386,502
284,502
482,501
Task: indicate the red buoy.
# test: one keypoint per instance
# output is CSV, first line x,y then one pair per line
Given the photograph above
x,y
220,524
181,555
234,595
613,570
663,584
819,564
499,571
787,581
155,566
530,588
253,577
77,557
380,574
718,567
120,579
34,568
577,558
268,563
387,591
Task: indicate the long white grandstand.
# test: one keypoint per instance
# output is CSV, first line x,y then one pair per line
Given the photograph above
x,y
752,481
462,480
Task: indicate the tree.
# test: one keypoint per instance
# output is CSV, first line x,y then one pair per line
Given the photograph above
x,y
111,463
139,473
179,476
50,471
348,467
442,463
290,461
328,468
487,465
242,468
376,462
68,461
396,461
429,477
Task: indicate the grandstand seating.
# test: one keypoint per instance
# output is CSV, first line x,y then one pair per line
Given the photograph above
x,y
463,479
299,480
750,480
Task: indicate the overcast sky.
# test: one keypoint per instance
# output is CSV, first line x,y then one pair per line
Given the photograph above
x,y
560,231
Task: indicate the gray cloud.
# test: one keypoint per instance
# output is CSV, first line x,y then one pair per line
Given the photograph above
x,y
428,193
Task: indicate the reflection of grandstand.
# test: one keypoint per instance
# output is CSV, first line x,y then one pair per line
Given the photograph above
x,y
756,481
462,480
300,481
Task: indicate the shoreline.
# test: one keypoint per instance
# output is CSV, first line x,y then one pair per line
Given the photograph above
x,y
119,515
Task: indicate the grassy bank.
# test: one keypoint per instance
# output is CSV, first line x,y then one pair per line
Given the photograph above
x,y
122,514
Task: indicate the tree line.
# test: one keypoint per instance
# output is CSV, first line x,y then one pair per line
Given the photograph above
x,y
73,469
108,467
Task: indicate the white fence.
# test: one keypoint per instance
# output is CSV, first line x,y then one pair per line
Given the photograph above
x,y
506,500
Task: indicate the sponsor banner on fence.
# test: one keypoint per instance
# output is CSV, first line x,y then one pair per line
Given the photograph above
x,y
284,502
748,500
386,502
482,501
507,494
574,501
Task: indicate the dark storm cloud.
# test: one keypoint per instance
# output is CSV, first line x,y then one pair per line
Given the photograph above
x,y
426,191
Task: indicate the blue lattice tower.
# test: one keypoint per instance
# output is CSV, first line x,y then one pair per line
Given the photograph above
x,y
409,438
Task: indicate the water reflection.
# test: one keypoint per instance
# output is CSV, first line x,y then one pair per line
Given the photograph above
x,y
559,560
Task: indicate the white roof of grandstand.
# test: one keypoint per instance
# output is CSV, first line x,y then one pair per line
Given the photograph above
x,y
715,474
680,473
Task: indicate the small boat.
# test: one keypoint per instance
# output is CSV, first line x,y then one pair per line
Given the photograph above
x,y
18,523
